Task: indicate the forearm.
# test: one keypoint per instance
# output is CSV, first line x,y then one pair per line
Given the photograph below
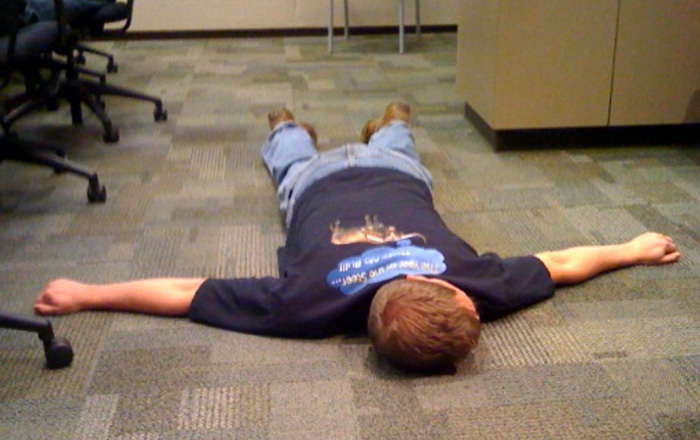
x,y
161,296
579,264
158,296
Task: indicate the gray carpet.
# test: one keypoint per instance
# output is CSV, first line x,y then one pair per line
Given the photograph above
x,y
615,358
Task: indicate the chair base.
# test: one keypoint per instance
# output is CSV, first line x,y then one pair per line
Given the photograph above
x,y
14,149
58,351
83,91
77,91
81,48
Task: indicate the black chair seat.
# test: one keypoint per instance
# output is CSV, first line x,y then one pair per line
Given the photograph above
x,y
32,41
111,13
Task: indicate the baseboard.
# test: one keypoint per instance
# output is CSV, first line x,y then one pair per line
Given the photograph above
x,y
637,135
265,33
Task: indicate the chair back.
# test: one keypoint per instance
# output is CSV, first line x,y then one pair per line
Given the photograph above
x,y
130,7
112,13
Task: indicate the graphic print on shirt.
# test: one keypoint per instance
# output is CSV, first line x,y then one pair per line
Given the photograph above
x,y
373,231
380,263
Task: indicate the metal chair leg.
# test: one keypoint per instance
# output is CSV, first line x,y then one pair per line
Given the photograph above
x,y
330,26
401,25
418,18
346,27
345,19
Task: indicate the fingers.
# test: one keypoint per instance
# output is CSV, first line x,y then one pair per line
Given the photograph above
x,y
43,305
671,254
670,258
670,245
44,309
655,248
47,303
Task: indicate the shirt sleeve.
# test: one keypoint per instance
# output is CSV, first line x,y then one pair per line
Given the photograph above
x,y
505,285
246,305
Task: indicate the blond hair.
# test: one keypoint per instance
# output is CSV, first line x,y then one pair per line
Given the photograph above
x,y
420,326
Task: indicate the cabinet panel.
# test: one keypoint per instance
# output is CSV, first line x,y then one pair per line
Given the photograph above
x,y
555,63
477,36
539,63
657,64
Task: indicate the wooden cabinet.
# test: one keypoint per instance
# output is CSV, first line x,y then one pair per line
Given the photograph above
x,y
657,63
580,63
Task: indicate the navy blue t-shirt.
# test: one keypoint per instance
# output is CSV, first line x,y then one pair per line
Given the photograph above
x,y
351,232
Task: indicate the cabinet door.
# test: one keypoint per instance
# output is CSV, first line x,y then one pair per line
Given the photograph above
x,y
537,63
657,63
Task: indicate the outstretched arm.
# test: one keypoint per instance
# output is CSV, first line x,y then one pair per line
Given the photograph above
x,y
579,264
157,296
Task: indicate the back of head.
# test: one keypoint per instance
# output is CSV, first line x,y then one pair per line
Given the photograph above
x,y
420,326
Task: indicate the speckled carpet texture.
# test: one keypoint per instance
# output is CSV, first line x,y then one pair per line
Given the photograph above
x,y
614,358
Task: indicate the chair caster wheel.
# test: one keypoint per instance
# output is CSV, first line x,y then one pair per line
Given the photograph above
x,y
96,193
160,114
111,136
59,353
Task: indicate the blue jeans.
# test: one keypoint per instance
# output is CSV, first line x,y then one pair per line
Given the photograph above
x,y
294,163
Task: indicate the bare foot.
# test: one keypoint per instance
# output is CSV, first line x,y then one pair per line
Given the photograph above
x,y
61,297
280,115
396,111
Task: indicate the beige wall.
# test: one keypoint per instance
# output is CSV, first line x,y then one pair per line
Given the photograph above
x,y
189,15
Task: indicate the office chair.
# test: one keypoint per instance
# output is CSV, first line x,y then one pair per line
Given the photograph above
x,y
17,47
78,90
94,26
21,51
347,29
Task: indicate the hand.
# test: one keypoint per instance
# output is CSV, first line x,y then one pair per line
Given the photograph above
x,y
652,248
60,297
